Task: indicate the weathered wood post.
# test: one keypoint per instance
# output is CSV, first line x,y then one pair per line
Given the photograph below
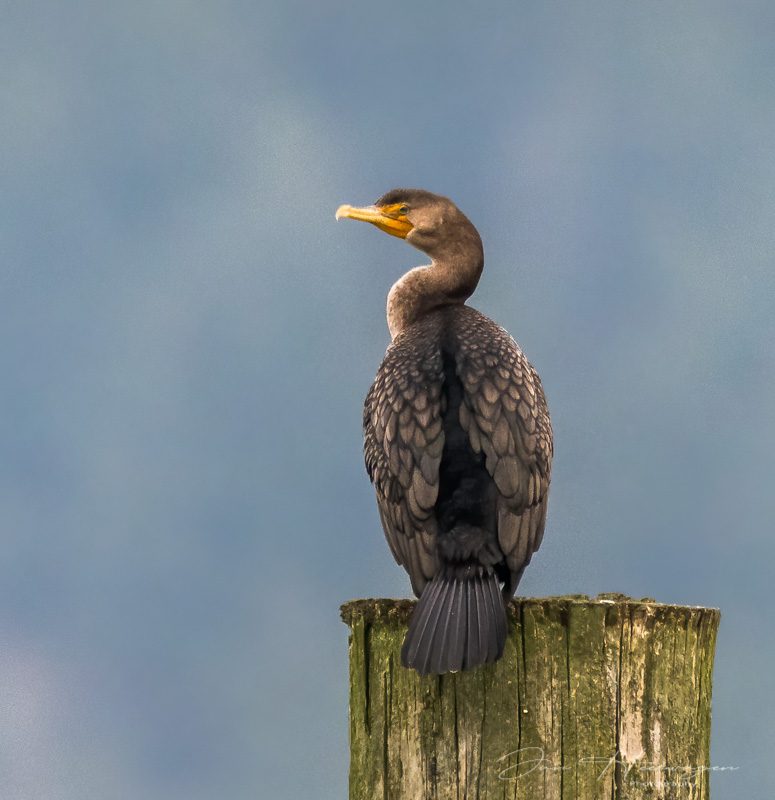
x,y
606,698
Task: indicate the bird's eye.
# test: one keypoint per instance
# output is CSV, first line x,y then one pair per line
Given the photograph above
x,y
403,210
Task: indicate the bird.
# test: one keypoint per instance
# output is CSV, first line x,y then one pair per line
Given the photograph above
x,y
457,441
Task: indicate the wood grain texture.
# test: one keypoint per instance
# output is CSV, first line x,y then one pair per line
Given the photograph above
x,y
606,698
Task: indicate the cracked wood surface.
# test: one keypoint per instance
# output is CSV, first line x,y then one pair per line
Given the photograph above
x,y
606,698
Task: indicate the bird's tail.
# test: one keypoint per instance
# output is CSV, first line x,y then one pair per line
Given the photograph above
x,y
459,622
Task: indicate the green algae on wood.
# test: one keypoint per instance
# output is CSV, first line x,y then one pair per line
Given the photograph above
x,y
606,698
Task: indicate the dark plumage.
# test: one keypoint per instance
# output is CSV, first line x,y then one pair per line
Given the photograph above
x,y
457,442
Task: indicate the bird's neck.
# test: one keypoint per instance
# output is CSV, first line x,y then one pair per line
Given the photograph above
x,y
447,280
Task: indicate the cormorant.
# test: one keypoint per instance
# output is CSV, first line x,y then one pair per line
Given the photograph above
x,y
457,441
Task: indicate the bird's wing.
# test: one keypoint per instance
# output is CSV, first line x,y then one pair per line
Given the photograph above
x,y
505,414
403,442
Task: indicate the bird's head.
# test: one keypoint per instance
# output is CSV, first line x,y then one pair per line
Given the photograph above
x,y
427,221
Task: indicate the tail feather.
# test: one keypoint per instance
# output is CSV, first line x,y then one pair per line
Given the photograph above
x,y
417,650
473,647
457,644
441,635
493,602
459,623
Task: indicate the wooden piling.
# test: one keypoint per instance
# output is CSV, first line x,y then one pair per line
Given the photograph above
x,y
605,698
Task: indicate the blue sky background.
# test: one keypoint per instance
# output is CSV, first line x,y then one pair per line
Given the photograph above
x,y
186,338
